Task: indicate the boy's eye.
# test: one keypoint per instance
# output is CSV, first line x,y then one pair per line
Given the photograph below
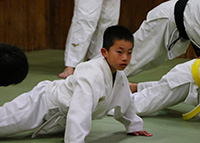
x,y
119,51
129,53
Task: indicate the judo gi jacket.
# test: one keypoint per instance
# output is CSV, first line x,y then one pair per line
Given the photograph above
x,y
157,39
89,94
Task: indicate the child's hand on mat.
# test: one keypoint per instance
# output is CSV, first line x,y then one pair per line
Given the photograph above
x,y
141,133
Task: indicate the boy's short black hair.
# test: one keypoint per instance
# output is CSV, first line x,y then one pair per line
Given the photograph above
x,y
116,32
13,65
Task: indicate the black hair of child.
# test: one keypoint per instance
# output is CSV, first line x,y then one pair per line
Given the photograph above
x,y
116,32
13,65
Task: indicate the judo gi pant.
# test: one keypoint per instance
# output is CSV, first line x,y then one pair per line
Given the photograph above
x,y
26,112
154,96
90,19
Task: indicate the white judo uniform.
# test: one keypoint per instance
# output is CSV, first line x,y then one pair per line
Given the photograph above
x,y
176,86
88,94
159,32
90,19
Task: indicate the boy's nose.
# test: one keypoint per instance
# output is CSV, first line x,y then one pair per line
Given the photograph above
x,y
124,57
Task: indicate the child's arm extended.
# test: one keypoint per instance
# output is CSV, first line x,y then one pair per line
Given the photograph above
x,y
141,133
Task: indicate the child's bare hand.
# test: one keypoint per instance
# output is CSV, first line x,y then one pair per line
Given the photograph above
x,y
141,133
133,87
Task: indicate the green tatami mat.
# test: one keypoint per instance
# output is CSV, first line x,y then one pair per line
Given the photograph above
x,y
167,126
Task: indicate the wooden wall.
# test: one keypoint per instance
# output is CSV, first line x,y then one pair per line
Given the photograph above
x,y
43,24
25,23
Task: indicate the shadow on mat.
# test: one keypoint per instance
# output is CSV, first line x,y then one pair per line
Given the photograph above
x,y
27,137
111,138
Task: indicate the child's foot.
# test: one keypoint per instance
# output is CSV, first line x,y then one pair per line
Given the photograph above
x,y
133,87
67,72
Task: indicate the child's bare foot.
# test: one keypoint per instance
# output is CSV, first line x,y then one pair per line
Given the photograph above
x,y
133,87
67,72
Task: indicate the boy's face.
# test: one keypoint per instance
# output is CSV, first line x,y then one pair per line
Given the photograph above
x,y
119,55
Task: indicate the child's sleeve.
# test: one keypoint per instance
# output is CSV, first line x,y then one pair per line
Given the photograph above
x,y
131,121
79,117
125,111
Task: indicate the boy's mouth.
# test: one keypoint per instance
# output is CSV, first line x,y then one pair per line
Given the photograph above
x,y
123,65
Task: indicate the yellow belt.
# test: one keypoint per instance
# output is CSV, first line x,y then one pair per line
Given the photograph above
x,y
195,74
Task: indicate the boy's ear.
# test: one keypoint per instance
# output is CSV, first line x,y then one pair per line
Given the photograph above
x,y
104,52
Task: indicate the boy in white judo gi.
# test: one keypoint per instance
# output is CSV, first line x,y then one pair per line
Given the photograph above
x,y
95,88
180,84
90,19
165,34
13,65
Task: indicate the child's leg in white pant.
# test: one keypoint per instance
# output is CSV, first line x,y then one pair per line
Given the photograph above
x,y
158,96
24,112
